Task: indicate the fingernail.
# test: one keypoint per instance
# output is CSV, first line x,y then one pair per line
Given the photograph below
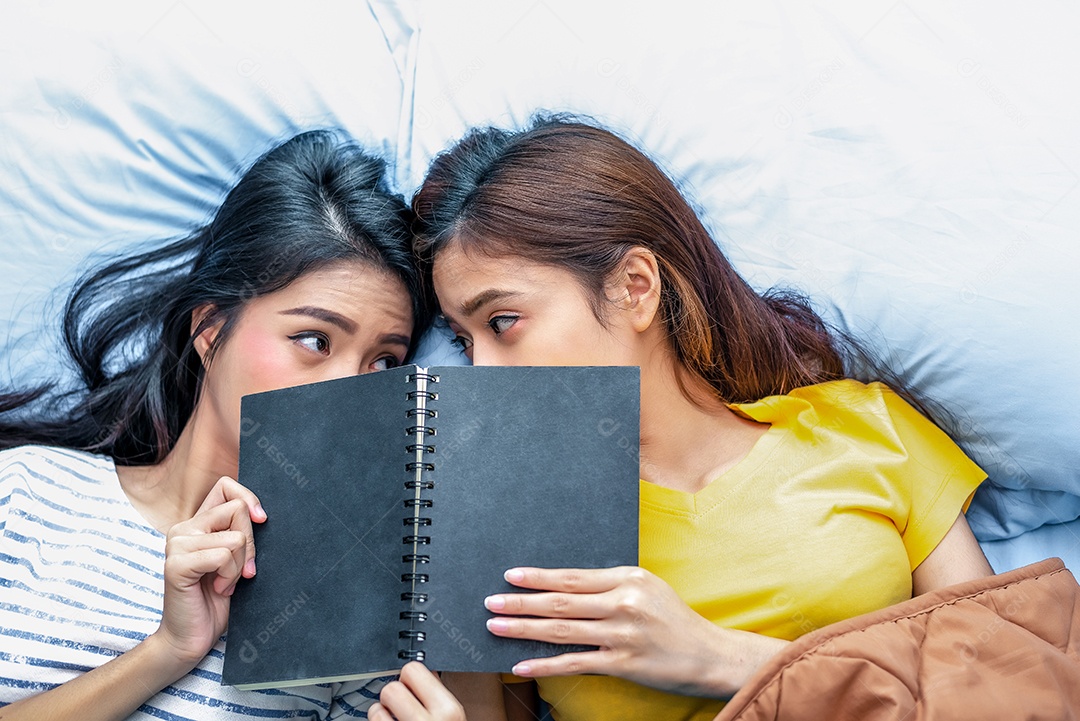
x,y
259,511
514,574
497,625
522,669
494,603
249,568
229,590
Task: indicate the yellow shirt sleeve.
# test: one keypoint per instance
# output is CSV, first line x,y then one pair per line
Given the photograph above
x,y
938,478
923,480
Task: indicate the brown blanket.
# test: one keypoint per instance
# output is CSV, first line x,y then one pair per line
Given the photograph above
x,y
1003,647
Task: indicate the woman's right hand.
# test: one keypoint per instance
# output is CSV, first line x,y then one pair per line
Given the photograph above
x,y
417,695
204,558
421,695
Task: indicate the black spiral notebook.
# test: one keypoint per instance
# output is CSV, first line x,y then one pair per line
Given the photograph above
x,y
397,499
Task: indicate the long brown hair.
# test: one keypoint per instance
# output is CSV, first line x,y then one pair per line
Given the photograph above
x,y
570,194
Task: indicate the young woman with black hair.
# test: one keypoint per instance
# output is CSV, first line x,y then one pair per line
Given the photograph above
x,y
123,533
777,496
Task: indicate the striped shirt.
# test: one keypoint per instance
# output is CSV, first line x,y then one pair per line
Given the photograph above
x,y
81,583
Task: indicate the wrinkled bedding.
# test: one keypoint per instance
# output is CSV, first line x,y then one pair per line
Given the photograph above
x,y
1005,647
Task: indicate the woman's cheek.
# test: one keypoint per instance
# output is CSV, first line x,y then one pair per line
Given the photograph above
x,y
265,363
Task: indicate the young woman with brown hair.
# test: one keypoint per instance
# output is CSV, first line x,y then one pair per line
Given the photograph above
x,y
777,494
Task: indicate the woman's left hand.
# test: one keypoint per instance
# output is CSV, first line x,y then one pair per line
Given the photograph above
x,y
644,631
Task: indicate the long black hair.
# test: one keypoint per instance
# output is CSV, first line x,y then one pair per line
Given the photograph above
x,y
313,200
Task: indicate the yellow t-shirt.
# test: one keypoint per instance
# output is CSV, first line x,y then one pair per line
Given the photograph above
x,y
824,519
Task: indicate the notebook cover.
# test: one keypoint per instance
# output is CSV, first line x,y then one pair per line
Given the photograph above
x,y
533,467
327,460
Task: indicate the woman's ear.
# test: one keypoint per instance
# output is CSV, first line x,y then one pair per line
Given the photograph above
x,y
636,287
204,339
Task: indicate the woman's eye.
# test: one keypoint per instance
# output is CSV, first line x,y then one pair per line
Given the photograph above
x,y
461,343
385,363
313,341
502,323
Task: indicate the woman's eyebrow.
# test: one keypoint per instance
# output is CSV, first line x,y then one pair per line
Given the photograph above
x,y
395,339
323,314
469,307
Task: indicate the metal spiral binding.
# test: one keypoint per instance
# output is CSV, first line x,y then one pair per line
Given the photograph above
x,y
421,446
430,395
